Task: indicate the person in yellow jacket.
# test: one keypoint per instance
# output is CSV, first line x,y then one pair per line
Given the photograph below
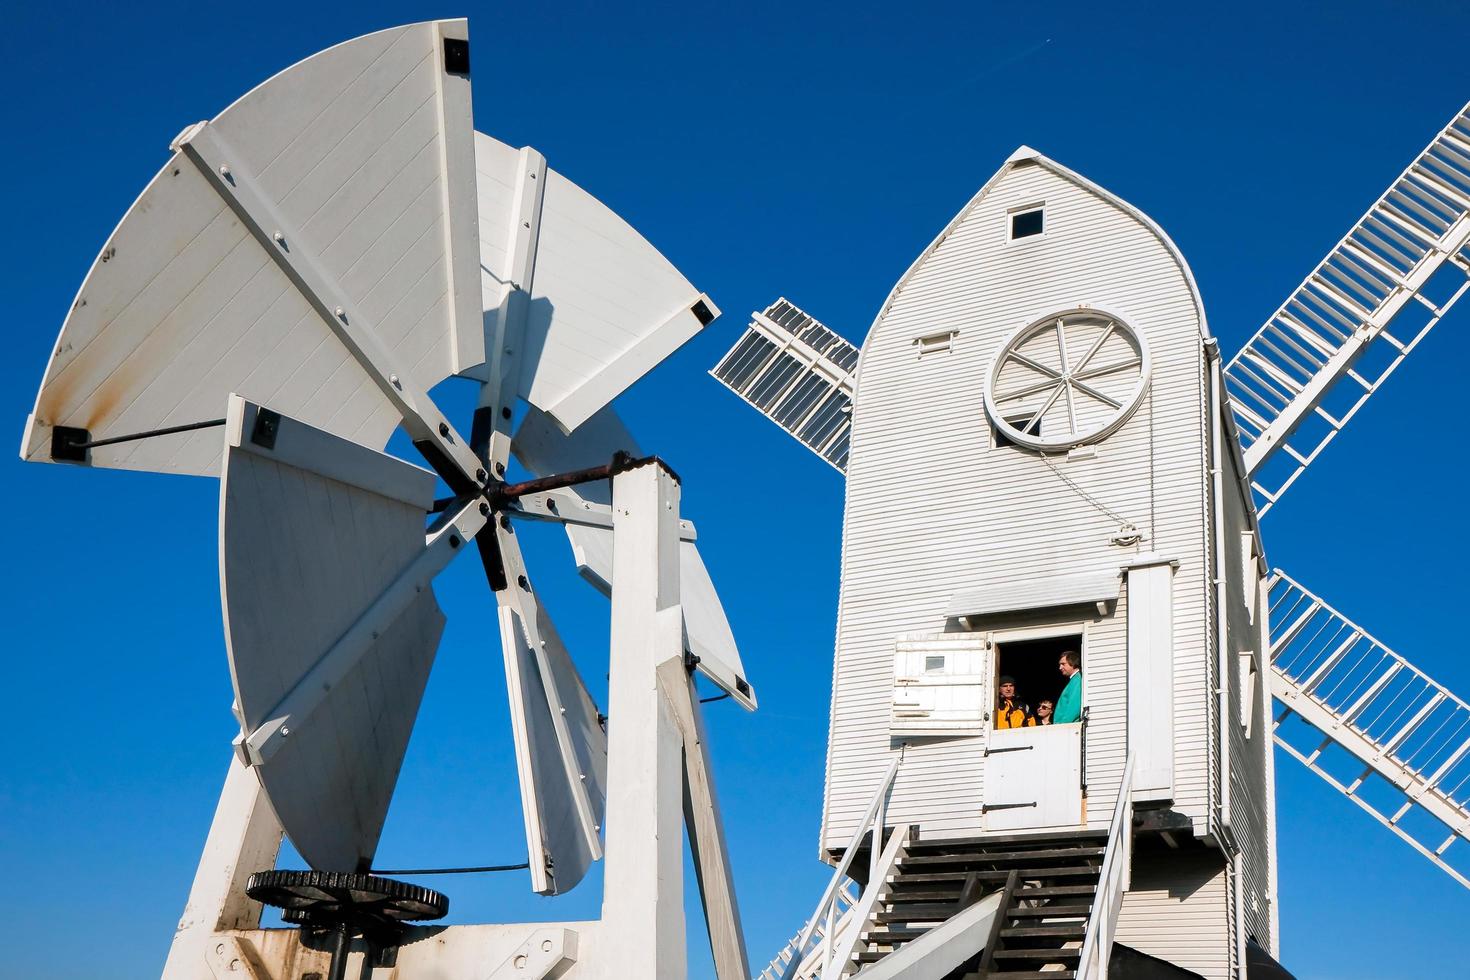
x,y
1011,711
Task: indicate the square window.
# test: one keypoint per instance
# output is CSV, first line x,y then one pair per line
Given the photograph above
x,y
932,664
1025,423
1024,224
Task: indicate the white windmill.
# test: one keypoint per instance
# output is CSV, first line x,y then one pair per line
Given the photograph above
x,y
1045,452
282,296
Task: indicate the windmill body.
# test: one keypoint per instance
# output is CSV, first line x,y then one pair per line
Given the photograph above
x,y
1045,453
959,544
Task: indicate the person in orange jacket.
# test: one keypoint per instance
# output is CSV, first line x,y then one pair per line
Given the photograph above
x,y
1011,711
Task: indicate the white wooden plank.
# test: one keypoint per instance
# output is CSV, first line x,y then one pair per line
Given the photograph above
x,y
1151,679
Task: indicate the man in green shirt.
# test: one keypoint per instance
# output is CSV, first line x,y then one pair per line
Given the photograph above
x,y
1069,705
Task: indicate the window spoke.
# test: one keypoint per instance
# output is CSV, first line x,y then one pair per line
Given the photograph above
x,y
1028,390
1109,369
1097,346
1020,358
1088,389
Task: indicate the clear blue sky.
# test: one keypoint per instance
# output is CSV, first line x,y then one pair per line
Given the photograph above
x,y
766,149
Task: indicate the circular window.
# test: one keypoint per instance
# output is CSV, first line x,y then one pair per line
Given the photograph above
x,y
1068,379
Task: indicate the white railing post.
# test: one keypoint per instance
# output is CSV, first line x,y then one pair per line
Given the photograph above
x,y
1113,881
826,907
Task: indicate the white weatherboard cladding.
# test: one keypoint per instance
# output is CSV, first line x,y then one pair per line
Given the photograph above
x,y
363,149
933,509
605,305
1250,793
1177,908
311,531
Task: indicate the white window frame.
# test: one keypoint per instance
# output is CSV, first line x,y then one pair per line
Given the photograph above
x,y
1011,214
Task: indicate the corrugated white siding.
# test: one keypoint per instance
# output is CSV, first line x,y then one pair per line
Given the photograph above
x,y
1179,910
932,508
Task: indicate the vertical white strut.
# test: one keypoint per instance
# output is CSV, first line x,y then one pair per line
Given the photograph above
x,y
643,901
243,838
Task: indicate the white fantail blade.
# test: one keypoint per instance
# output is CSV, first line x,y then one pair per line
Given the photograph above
x,y
330,623
345,182
604,306
543,449
560,745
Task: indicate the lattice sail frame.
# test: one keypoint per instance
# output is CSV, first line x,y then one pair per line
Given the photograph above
x,y
797,373
1400,724
1317,360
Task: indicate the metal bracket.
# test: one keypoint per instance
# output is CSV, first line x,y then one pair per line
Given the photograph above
x,y
987,807
228,959
547,955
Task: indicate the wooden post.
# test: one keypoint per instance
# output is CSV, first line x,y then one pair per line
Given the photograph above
x,y
244,838
642,931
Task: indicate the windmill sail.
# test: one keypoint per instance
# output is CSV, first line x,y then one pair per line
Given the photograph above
x,y
543,449
313,530
363,157
1329,347
1406,737
798,374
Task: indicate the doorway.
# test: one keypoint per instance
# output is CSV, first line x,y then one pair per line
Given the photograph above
x,y
1033,664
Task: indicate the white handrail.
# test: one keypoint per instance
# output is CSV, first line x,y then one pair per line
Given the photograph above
x,y
826,907
1097,943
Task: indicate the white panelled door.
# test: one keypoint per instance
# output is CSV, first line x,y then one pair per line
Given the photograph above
x,y
1033,778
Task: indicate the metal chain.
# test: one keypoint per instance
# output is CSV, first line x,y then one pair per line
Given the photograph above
x,y
1101,507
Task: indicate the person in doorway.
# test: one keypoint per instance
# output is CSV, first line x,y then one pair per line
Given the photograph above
x,y
1069,705
1044,712
1011,711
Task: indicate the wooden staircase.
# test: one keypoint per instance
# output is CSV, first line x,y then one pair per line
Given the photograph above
x,y
1048,882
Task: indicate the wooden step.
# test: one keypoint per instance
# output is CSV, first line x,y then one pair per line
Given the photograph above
x,y
1002,857
1045,955
893,934
1032,975
1044,911
1061,930
1049,890
1009,841
931,878
917,913
924,895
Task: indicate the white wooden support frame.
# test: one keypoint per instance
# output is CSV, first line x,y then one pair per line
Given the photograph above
x,y
203,145
706,830
643,931
505,326
244,837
